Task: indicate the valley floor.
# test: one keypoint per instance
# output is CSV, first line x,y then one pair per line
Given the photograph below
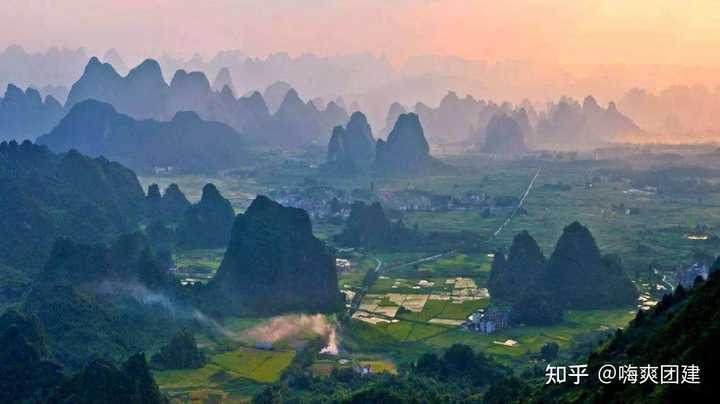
x,y
417,304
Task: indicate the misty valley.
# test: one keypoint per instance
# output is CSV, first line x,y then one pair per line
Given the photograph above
x,y
351,229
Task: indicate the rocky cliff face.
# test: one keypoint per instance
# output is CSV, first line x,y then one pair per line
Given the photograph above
x,y
581,278
406,151
207,224
275,264
523,270
174,203
575,277
352,148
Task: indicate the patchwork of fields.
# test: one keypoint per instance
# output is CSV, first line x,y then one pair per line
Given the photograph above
x,y
418,307
415,292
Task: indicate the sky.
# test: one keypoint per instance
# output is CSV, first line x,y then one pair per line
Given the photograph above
x,y
572,32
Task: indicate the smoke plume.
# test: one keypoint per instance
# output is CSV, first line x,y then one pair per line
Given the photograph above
x,y
288,326
143,295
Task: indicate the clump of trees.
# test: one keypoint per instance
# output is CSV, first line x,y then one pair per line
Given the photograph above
x,y
180,353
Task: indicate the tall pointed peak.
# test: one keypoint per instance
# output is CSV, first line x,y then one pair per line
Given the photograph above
x,y
223,79
450,97
13,92
227,92
33,96
333,107
96,67
292,96
52,102
179,77
256,97
113,57
612,108
408,120
149,65
149,69
357,117
93,62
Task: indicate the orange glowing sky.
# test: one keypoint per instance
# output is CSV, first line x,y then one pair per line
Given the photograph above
x,y
673,32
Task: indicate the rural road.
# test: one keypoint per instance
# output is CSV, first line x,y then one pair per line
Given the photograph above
x,y
520,204
361,294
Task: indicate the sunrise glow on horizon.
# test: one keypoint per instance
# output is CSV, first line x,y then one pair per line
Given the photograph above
x,y
551,31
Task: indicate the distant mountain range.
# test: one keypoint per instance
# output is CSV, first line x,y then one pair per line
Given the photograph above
x,y
674,110
458,119
504,136
54,67
144,94
569,123
184,144
466,120
406,151
279,117
374,84
24,114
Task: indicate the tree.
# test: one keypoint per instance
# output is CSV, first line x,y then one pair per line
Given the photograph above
x,y
536,309
549,351
180,353
429,364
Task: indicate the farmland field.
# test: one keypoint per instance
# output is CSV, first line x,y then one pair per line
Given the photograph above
x,y
240,372
416,305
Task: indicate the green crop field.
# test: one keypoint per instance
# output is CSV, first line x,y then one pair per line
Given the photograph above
x,y
641,240
258,365
209,259
405,340
240,372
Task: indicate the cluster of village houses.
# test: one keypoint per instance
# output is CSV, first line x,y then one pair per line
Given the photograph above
x,y
324,202
486,321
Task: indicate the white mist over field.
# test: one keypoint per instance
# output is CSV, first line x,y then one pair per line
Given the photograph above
x,y
289,326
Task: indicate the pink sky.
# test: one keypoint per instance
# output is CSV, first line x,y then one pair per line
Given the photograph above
x,y
566,32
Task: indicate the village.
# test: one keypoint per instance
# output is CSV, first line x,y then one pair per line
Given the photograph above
x,y
328,203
